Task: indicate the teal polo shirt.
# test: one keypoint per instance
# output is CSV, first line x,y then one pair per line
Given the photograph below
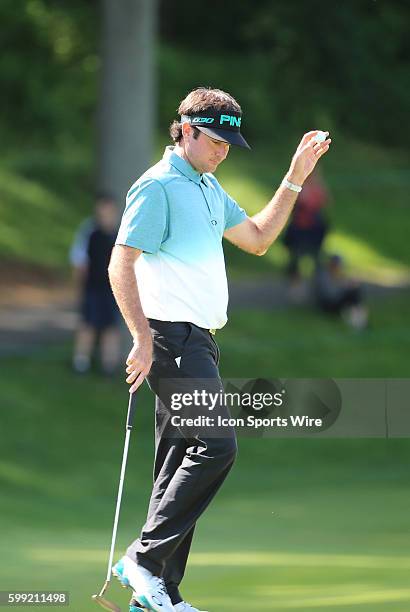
x,y
177,217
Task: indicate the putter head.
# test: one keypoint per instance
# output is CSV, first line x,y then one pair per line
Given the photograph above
x,y
104,603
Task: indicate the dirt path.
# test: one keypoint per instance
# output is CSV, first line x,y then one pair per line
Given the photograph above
x,y
38,309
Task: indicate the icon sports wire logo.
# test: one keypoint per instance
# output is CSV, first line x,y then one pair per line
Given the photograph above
x,y
354,408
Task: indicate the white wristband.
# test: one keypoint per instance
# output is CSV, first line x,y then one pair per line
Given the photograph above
x,y
291,186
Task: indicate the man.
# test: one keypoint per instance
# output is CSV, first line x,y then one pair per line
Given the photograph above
x,y
338,295
168,275
307,229
99,317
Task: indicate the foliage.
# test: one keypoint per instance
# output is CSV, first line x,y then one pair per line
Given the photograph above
x,y
50,71
292,65
341,65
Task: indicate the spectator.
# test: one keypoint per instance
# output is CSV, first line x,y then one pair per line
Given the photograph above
x,y
99,316
339,295
307,228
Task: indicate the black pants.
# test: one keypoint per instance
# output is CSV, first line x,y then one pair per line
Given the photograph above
x,y
190,464
304,241
351,296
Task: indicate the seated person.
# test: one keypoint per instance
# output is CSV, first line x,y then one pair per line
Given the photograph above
x,y
338,295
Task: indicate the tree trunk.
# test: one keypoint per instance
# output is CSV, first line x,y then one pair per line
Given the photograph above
x,y
127,105
126,110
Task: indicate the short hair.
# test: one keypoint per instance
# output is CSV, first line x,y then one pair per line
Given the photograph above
x,y
104,196
202,100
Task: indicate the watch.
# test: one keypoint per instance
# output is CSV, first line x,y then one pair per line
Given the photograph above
x,y
291,186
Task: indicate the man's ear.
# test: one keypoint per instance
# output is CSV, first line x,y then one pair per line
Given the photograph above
x,y
186,130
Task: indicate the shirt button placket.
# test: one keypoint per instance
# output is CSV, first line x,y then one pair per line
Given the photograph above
x,y
203,187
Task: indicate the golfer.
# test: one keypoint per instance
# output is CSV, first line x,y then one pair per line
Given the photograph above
x,y
167,273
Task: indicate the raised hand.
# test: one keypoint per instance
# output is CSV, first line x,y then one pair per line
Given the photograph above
x,y
306,157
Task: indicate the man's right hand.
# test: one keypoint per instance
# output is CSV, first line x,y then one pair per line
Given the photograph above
x,y
124,286
139,361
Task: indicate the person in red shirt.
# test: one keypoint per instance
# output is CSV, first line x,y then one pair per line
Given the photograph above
x,y
308,226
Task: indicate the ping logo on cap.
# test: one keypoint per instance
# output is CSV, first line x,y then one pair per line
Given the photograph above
x,y
218,125
231,119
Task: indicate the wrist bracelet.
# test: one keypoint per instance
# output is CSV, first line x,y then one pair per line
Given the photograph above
x,y
291,186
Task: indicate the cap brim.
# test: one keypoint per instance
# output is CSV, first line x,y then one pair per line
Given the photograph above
x,y
233,138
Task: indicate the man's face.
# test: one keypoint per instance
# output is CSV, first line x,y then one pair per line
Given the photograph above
x,y
106,213
204,153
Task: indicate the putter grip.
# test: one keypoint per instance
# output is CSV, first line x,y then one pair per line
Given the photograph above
x,y
132,404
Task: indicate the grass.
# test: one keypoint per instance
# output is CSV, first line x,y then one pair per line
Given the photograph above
x,y
301,524
300,343
367,210
43,197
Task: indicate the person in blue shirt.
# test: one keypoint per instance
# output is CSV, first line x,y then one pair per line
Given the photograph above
x,y
167,273
98,312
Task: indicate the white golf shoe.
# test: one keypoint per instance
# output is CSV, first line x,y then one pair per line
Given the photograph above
x,y
148,589
183,606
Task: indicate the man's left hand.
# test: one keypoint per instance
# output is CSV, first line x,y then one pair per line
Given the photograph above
x,y
306,157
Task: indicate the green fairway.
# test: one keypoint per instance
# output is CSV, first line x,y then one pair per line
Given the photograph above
x,y
303,343
301,524
295,543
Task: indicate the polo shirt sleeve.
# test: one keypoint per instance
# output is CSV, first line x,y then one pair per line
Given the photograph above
x,y
234,214
145,218
79,248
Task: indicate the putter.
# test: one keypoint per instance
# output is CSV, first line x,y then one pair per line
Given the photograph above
x,y
100,599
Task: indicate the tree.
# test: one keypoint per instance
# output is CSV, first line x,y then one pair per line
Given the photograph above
x,y
126,109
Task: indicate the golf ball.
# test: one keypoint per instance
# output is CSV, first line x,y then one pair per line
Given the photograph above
x,y
320,137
